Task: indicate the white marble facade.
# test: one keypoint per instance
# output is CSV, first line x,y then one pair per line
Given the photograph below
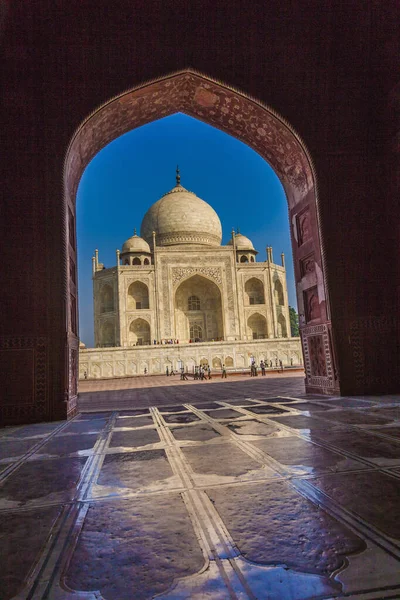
x,y
177,283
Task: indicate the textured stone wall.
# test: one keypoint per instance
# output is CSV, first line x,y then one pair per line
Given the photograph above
x,y
328,68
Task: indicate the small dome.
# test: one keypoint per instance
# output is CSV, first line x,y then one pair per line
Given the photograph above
x,y
135,244
242,242
181,217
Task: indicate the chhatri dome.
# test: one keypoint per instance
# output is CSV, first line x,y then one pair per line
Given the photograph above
x,y
135,244
181,217
242,242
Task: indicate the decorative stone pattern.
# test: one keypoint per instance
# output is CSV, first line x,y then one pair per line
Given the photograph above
x,y
33,403
180,273
231,111
318,357
307,265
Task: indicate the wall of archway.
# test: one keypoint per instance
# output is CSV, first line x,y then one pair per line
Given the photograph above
x,y
335,92
267,133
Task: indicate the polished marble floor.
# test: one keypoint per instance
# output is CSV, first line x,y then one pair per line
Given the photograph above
x,y
241,493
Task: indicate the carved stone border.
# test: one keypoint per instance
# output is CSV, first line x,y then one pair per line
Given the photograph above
x,y
312,380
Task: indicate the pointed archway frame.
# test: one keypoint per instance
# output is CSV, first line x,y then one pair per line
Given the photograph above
x,y
265,131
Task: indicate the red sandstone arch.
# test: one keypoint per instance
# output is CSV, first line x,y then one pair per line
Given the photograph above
x,y
253,123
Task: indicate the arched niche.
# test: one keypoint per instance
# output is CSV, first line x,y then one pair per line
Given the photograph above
x,y
254,291
106,298
107,334
257,327
139,333
138,296
278,293
216,363
198,310
282,327
250,121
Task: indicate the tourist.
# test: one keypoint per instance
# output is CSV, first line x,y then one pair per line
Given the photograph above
x,y
85,374
172,372
145,371
209,372
167,372
281,365
262,366
270,364
223,372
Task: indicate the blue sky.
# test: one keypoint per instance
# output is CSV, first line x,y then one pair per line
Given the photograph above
x,y
136,169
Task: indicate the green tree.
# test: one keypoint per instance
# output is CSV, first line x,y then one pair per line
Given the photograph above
x,y
294,322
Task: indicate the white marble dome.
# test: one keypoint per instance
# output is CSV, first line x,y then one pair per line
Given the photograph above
x,y
135,244
181,217
242,242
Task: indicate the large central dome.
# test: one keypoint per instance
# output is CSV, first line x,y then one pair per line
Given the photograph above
x,y
181,217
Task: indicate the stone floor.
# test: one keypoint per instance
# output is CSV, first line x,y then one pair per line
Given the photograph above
x,y
247,489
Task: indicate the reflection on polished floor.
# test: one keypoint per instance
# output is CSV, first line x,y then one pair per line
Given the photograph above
x,y
249,497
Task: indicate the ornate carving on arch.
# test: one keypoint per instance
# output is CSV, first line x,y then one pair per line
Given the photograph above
x,y
130,280
254,310
258,276
144,317
181,273
203,98
318,356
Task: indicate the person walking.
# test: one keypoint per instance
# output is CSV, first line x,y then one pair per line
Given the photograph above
x,y
167,372
209,372
281,365
223,372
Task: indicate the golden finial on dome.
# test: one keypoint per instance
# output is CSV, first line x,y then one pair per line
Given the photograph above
x,y
178,177
134,231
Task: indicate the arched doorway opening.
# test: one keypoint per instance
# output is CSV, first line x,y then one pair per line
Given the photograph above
x,y
198,310
257,327
139,333
106,299
261,128
138,296
254,289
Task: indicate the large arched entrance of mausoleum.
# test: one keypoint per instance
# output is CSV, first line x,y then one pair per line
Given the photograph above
x,y
198,311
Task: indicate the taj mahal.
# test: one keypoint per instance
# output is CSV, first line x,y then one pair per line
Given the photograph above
x,y
177,298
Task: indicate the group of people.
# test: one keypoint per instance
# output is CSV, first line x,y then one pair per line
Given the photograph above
x,y
163,342
263,366
202,372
